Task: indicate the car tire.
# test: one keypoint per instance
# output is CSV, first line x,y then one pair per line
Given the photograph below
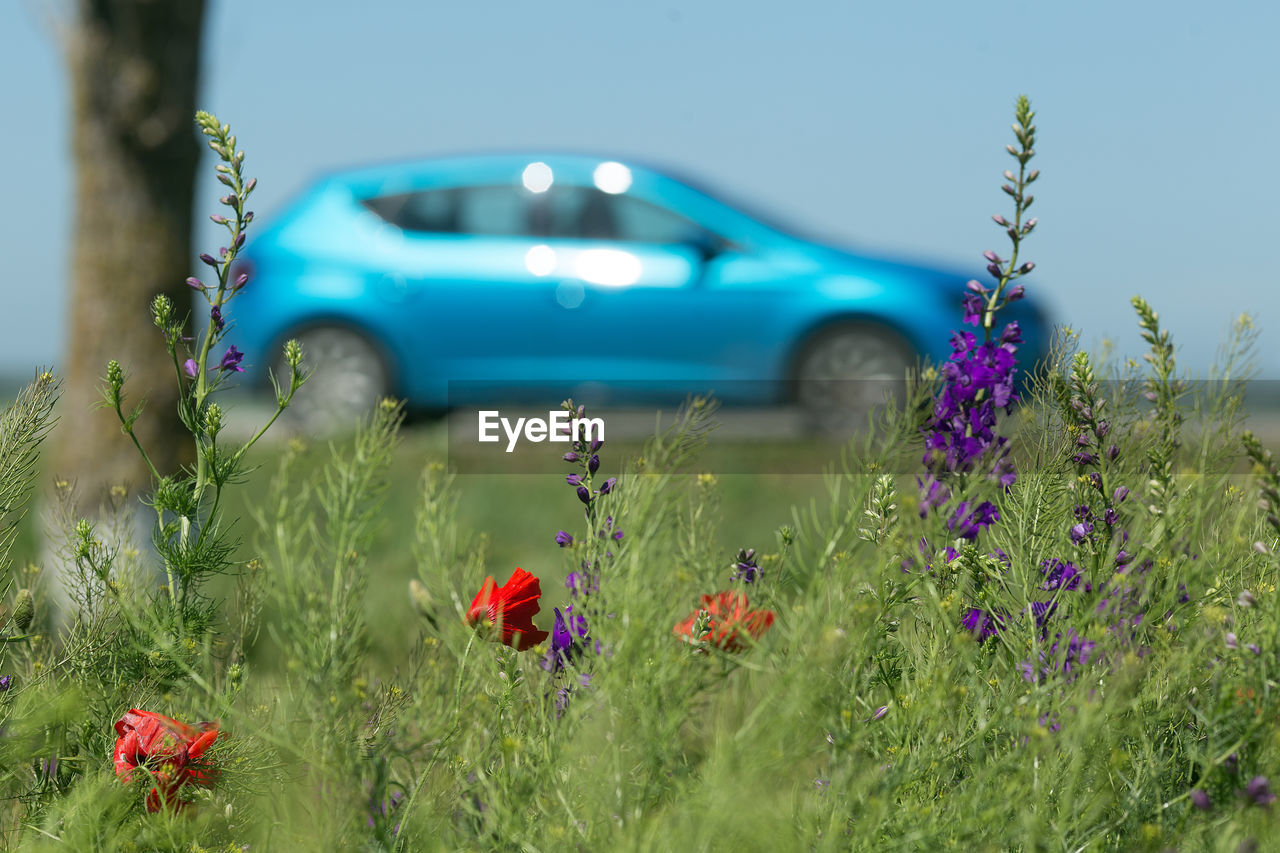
x,y
348,375
845,372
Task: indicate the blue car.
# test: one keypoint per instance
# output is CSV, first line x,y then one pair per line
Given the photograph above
x,y
523,277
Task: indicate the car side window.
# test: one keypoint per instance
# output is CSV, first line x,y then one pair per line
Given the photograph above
x,y
642,222
586,213
571,212
493,211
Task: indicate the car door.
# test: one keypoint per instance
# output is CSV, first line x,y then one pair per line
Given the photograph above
x,y
479,315
651,295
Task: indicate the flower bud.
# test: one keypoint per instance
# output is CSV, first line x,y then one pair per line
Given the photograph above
x,y
593,464
24,609
1119,495
976,287
1035,173
195,283
213,419
1246,599
240,242
571,457
995,270
190,368
115,375
241,281
1029,224
248,217
161,310
248,188
1016,293
573,479
584,495
563,539
1009,190
209,259
993,257
293,353
1022,270
1008,176
1000,220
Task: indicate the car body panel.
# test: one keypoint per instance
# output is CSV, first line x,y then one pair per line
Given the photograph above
x,y
729,309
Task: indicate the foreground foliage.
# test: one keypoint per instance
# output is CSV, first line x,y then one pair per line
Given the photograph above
x,y
1049,625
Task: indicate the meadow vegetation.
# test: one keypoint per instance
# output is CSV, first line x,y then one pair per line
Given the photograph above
x,y
1024,612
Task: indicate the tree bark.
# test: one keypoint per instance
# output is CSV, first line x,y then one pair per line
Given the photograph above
x,y
134,68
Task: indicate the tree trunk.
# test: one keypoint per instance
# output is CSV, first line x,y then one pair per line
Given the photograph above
x,y
133,70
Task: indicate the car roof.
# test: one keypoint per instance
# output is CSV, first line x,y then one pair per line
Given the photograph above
x,y
464,169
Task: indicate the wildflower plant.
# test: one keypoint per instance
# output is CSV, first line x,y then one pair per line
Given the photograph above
x,y
190,536
1018,652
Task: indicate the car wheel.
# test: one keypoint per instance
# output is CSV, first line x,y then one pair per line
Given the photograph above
x,y
348,376
845,372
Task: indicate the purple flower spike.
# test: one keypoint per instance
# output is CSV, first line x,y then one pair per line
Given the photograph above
x,y
231,360
190,368
973,308
195,283
564,540
1200,799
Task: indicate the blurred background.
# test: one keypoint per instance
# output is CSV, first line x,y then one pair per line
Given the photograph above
x,y
876,125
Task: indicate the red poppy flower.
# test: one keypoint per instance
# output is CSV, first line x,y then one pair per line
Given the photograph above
x,y
169,751
728,614
510,608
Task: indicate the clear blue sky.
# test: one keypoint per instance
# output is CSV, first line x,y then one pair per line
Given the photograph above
x,y
880,125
